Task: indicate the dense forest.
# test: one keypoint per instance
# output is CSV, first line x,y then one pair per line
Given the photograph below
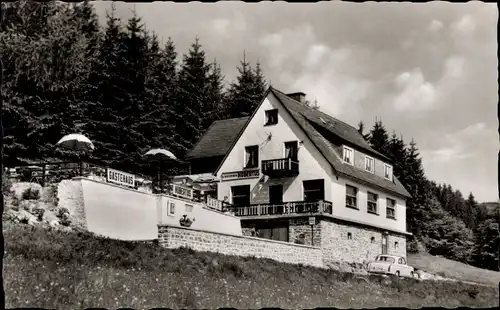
x,y
128,91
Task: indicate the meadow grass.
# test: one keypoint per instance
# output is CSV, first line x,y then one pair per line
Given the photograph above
x,y
452,269
76,270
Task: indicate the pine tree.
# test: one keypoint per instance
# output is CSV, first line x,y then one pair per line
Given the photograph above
x,y
379,139
215,108
246,92
156,123
107,96
312,104
398,152
193,96
361,130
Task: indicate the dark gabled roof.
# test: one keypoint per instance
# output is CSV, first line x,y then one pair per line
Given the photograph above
x,y
306,117
218,138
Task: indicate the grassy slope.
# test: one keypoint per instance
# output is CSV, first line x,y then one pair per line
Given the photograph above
x,y
66,270
453,269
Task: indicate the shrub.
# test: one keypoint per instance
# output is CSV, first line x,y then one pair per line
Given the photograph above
x,y
61,212
52,194
31,194
6,184
65,219
15,202
38,212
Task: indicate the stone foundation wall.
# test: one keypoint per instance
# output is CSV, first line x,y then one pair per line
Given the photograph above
x,y
398,249
299,231
365,244
175,237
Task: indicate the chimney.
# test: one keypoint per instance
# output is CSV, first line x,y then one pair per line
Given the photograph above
x,y
299,96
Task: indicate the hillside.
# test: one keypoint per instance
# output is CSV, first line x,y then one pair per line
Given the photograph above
x,y
66,269
453,270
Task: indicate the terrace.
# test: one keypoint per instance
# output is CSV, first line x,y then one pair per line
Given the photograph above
x,y
54,172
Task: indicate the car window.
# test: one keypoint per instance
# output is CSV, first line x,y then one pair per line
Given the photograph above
x,y
390,260
403,261
381,258
399,261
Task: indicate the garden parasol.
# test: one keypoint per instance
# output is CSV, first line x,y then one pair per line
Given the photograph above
x,y
160,156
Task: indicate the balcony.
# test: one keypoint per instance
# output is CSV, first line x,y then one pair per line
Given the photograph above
x,y
284,209
283,167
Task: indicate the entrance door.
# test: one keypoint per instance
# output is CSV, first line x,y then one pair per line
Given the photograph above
x,y
276,199
241,198
384,244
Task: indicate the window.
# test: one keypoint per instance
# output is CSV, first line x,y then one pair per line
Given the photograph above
x,y
189,208
291,150
271,117
171,208
403,261
369,164
372,240
388,172
351,196
314,190
372,203
279,232
252,156
348,153
240,195
391,208
349,236
396,245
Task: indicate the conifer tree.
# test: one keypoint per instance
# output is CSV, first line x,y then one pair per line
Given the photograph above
x,y
193,96
379,139
246,92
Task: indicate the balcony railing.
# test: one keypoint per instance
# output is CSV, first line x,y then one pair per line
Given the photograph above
x,y
217,204
280,167
286,208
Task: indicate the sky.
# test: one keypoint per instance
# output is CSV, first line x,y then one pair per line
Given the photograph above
x,y
428,70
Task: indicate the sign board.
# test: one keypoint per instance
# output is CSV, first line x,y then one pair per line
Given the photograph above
x,y
312,220
120,178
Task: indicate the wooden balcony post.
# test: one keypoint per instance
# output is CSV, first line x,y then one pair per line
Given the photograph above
x,y
321,204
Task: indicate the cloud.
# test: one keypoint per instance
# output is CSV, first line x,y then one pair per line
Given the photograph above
x,y
465,26
462,144
229,26
416,94
436,25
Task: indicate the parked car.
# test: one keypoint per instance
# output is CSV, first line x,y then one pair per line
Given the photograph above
x,y
390,264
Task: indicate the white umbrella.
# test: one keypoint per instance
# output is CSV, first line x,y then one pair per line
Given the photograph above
x,y
160,155
76,142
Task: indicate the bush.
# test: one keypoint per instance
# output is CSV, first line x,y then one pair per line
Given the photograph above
x,y
38,212
61,212
31,194
6,184
15,202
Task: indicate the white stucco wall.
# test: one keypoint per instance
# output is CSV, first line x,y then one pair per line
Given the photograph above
x,y
361,215
121,213
204,218
312,164
118,212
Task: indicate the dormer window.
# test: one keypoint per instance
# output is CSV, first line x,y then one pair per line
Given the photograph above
x,y
369,164
388,172
348,155
271,117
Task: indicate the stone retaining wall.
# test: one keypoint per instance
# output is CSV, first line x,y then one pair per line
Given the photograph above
x,y
175,237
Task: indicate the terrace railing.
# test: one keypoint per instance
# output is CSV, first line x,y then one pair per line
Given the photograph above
x,y
286,208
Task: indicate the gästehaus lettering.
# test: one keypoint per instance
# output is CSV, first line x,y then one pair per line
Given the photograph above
x,y
119,177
